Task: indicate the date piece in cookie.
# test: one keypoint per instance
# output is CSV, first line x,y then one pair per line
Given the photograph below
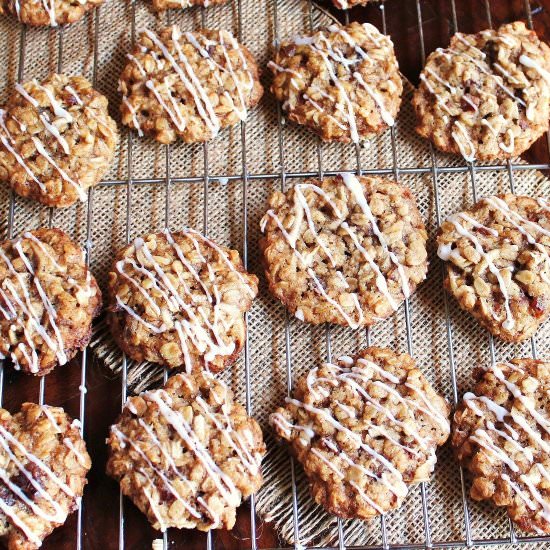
x,y
501,435
50,12
48,299
188,84
364,430
178,299
187,455
346,250
342,82
43,470
162,5
56,139
498,263
486,96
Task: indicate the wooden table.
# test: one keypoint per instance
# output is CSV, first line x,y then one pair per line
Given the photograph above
x,y
100,519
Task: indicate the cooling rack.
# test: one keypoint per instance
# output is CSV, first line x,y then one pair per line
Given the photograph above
x,y
243,177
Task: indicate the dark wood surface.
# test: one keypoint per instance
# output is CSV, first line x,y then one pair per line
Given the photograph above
x,y
100,517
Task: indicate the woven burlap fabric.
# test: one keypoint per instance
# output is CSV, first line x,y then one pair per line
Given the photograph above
x,y
224,214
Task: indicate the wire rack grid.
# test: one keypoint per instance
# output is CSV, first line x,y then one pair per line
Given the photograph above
x,y
434,170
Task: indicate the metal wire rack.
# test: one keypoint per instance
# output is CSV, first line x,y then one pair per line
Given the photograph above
x,y
244,177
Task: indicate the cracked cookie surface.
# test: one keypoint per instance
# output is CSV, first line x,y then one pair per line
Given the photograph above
x,y
44,466
48,13
188,84
178,299
500,434
56,139
486,96
347,250
48,298
187,455
342,82
364,430
498,263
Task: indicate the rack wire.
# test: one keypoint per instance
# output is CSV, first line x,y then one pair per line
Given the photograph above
x,y
245,177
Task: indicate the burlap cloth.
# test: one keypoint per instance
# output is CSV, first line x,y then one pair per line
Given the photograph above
x,y
308,345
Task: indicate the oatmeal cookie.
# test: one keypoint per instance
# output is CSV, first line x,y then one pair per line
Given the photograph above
x,y
501,435
43,470
188,84
187,455
178,299
56,139
345,250
48,299
342,82
161,5
498,263
364,430
48,13
486,96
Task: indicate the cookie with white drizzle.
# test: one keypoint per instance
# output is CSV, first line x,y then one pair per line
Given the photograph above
x,y
162,5
48,298
178,299
187,454
187,84
345,250
501,434
342,82
364,429
48,13
498,263
487,95
56,139
43,468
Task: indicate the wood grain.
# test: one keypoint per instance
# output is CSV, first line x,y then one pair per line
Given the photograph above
x,y
100,514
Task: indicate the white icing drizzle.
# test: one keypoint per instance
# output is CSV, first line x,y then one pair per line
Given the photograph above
x,y
444,252
460,133
499,81
220,416
430,88
527,228
159,473
47,5
7,141
181,65
302,210
135,119
333,60
465,144
348,374
358,193
532,64
191,509
50,127
381,282
18,298
488,437
194,326
42,151
19,456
